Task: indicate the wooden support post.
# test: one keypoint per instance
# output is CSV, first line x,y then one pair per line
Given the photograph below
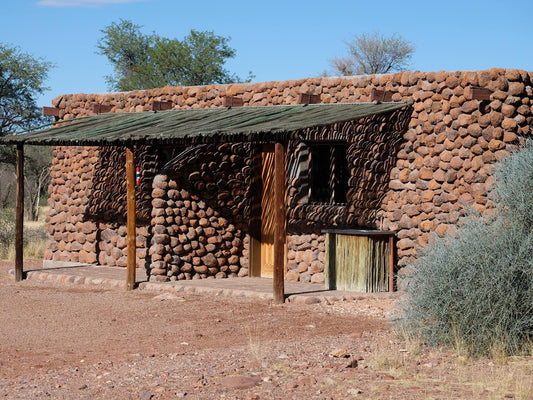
x,y
330,270
279,223
19,229
391,263
131,235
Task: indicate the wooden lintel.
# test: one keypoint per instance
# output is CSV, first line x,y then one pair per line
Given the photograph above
x,y
131,234
19,221
233,101
477,93
308,98
380,95
101,108
279,223
51,111
161,105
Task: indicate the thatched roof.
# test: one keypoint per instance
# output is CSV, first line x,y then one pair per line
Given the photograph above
x,y
267,123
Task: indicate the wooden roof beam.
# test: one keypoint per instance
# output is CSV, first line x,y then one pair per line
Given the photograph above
x,y
477,93
101,108
308,98
162,105
233,101
380,95
51,112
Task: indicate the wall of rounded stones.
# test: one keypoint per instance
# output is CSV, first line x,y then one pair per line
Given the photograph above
x,y
444,166
191,239
71,238
112,245
306,256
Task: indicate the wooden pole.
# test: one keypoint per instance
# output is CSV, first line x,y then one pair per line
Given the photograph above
x,y
279,223
391,263
19,229
330,268
131,235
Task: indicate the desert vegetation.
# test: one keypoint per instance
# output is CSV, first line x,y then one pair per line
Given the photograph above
x,y
474,291
34,235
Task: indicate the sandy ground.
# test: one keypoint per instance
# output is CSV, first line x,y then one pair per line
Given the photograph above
x,y
77,342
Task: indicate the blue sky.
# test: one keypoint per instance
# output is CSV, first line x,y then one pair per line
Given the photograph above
x,y
275,39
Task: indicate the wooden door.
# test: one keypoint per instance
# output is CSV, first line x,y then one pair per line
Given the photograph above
x,y
267,211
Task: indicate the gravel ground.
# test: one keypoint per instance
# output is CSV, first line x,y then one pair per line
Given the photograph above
x,y
77,342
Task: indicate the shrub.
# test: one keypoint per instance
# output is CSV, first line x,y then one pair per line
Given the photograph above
x,y
475,290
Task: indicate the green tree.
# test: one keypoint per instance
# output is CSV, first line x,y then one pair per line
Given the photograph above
x,y
22,78
374,54
143,61
21,81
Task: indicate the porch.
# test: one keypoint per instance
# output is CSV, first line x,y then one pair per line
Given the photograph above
x,y
104,277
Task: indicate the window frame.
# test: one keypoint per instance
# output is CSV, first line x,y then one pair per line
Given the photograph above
x,y
338,174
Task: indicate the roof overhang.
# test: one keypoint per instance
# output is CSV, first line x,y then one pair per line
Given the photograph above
x,y
186,126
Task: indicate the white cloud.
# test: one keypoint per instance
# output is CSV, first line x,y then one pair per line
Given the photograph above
x,y
81,3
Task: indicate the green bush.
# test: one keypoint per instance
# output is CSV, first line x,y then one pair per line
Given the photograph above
x,y
475,290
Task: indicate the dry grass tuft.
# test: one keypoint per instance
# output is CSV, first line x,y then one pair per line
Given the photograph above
x,y
35,237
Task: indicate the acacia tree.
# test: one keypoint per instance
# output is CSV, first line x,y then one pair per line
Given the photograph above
x,y
143,61
21,81
374,54
22,78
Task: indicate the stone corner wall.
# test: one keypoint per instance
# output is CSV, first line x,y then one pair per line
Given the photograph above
x,y
71,237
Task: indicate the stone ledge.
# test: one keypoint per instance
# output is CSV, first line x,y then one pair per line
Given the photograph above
x,y
179,287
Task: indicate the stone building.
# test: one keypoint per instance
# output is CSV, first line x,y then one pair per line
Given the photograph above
x,y
411,164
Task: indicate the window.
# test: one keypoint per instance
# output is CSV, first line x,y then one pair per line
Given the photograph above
x,y
328,173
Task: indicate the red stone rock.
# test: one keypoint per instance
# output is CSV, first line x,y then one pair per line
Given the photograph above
x,y
427,196
509,124
292,275
465,120
496,145
489,157
210,260
318,277
452,82
456,162
426,226
508,110
469,106
509,137
439,175
405,244
158,271
516,88
441,229
426,173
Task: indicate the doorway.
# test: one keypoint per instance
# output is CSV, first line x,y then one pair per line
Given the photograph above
x,y
262,242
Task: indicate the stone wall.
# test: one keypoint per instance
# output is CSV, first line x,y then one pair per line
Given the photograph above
x,y
72,238
72,235
444,165
191,239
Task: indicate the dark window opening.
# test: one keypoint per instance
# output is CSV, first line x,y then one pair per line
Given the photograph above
x,y
329,173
